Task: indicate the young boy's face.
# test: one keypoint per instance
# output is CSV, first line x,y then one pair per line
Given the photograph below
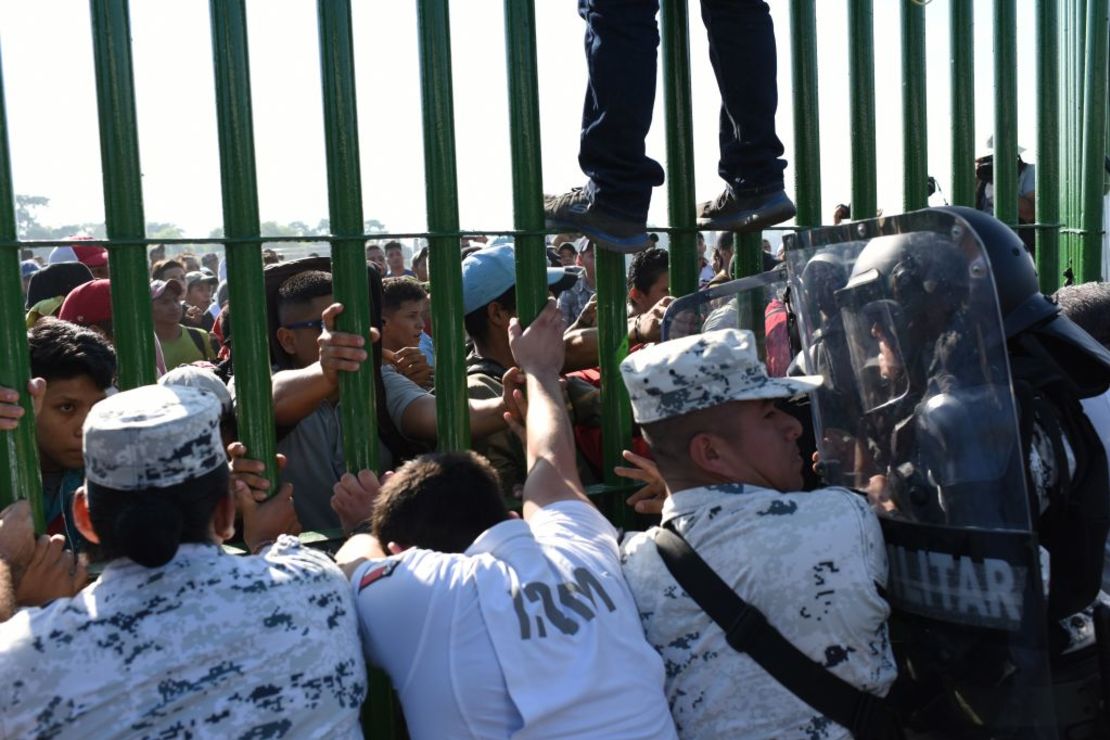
x,y
199,295
65,405
403,327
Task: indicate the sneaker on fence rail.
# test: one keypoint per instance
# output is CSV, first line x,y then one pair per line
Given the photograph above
x,y
574,211
730,212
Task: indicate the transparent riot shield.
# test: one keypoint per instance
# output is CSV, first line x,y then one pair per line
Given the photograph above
x,y
756,302
900,316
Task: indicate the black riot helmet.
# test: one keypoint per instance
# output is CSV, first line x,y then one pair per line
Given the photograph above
x,y
926,278
1025,310
1015,276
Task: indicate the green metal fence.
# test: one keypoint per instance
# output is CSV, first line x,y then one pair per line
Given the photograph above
x,y
1071,63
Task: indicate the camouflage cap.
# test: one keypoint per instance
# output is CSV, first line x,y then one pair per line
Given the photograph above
x,y
154,436
701,371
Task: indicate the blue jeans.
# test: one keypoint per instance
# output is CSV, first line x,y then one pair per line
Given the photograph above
x,y
621,42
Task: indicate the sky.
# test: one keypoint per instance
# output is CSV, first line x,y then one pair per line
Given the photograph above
x,y
46,49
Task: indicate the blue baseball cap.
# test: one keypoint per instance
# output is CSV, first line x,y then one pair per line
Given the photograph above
x,y
28,268
489,272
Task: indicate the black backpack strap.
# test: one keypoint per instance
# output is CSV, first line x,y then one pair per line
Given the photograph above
x,y
748,631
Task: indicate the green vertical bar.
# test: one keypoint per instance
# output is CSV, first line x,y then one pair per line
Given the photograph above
x,y
348,257
239,186
684,267
962,68
524,137
19,458
442,192
1089,258
915,126
807,125
1005,112
132,324
861,75
616,433
1048,145
1069,139
1073,98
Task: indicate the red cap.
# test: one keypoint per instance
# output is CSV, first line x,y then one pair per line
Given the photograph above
x,y
91,256
90,303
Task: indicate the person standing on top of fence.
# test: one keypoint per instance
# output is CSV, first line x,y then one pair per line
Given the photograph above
x,y
621,41
811,563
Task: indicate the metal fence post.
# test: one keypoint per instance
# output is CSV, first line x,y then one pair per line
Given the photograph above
x,y
524,137
132,323
807,123
1089,258
962,69
616,408
19,459
358,409
683,264
442,190
1048,146
861,76
238,178
1005,113
915,130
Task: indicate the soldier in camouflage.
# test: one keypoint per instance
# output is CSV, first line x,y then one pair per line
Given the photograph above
x,y
811,563
177,638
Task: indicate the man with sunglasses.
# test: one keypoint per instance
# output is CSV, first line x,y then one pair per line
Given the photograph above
x,y
306,396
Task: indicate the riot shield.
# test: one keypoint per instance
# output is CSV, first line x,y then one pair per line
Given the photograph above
x,y
756,302
900,315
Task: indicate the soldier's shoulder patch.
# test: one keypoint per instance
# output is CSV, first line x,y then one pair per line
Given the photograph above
x,y
375,574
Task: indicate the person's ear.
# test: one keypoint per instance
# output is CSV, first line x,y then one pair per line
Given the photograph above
x,y
497,315
635,297
395,549
707,454
285,339
223,518
81,518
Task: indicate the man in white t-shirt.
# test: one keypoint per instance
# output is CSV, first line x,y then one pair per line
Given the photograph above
x,y
811,563
490,626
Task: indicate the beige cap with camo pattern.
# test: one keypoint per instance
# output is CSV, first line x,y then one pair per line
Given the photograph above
x,y
702,371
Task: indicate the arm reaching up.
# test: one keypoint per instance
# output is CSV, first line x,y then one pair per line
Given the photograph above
x,y
552,468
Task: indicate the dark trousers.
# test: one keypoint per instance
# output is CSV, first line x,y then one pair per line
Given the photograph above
x,y
621,42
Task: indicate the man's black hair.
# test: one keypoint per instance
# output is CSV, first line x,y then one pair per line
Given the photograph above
x,y
440,501
568,245
477,321
148,526
725,240
393,245
302,289
61,350
396,291
1088,305
646,268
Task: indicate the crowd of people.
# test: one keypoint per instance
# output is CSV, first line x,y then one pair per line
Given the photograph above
x,y
485,583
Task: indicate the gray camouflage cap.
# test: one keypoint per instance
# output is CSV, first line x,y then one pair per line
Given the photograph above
x,y
702,371
154,436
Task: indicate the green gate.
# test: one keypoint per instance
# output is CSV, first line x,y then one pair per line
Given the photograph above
x,y
1071,63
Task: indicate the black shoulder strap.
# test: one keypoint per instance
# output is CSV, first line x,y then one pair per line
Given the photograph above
x,y
748,631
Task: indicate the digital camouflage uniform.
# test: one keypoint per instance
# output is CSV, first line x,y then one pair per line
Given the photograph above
x,y
811,563
207,645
